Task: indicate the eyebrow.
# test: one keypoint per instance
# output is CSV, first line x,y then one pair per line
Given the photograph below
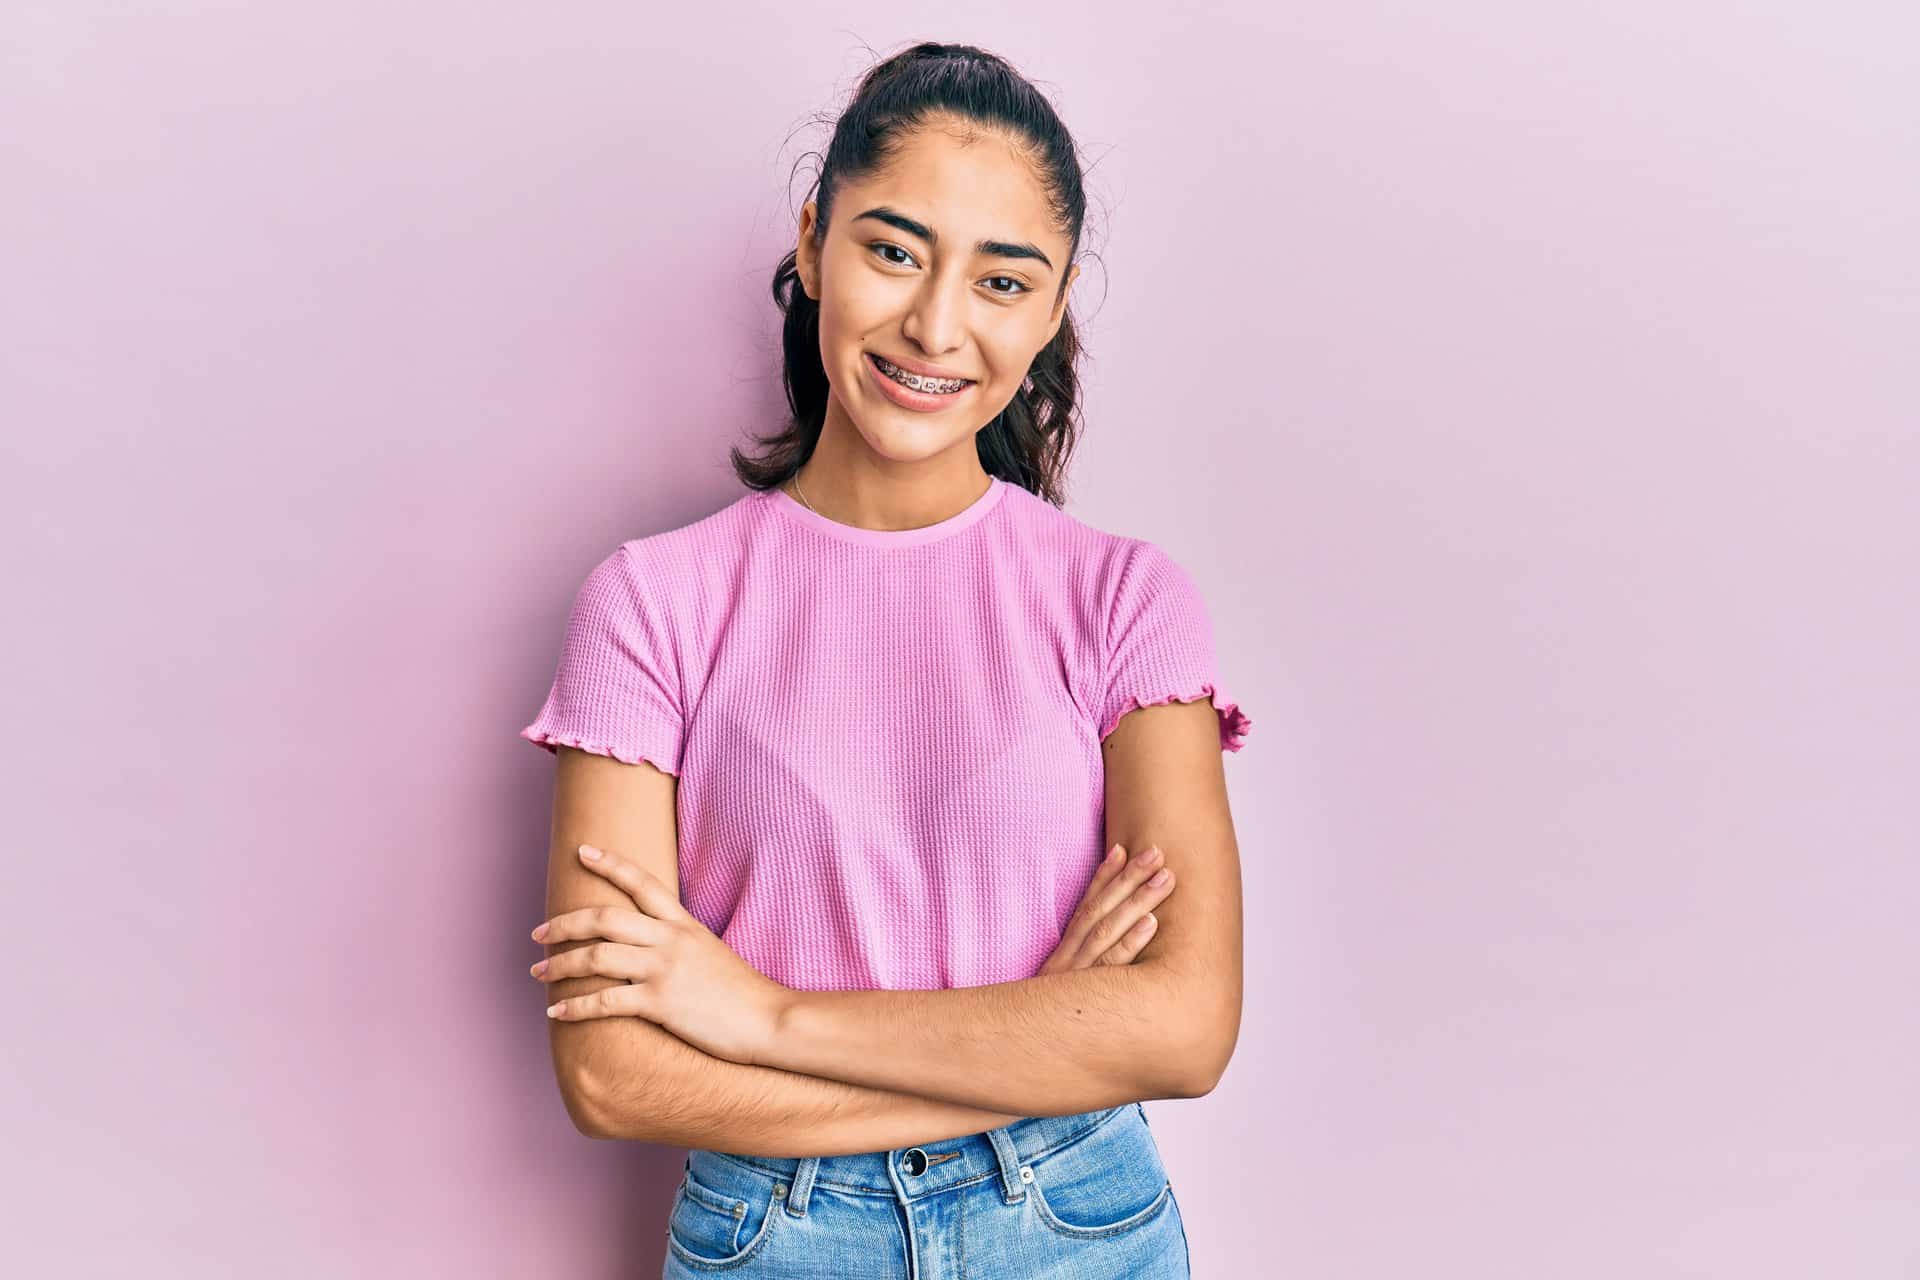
x,y
990,248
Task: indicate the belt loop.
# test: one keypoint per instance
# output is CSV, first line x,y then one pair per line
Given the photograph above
x,y
802,1185
1011,1170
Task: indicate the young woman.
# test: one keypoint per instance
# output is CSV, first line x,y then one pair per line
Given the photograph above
x,y
849,771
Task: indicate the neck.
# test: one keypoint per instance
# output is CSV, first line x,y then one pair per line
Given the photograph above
x,y
876,493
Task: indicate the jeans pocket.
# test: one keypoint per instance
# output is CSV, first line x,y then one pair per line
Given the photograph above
x,y
1106,1182
723,1213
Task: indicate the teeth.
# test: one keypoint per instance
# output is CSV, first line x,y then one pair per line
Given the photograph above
x,y
934,386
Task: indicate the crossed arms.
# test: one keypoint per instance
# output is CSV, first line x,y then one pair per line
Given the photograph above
x,y
870,1070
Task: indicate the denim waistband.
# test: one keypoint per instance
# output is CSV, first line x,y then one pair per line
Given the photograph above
x,y
948,1163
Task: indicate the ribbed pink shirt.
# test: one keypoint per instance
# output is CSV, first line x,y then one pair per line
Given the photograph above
x,y
887,742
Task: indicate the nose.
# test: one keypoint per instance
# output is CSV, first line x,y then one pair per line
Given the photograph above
x,y
937,319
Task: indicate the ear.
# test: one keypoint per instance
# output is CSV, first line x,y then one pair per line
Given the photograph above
x,y
1060,311
806,253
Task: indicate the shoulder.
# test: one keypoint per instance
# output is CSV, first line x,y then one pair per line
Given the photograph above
x,y
687,562
1106,567
718,535
654,593
1152,633
1088,552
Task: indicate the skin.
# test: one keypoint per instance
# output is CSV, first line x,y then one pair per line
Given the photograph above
x,y
626,1077
660,1032
882,289
1053,1044
679,974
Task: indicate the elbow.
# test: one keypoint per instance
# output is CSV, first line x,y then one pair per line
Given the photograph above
x,y
1199,1069
1199,1056
584,1103
594,1108
1204,1069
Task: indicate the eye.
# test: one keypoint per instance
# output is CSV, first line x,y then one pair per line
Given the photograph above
x,y
882,247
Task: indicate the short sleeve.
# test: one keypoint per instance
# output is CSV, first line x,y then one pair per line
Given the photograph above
x,y
616,691
1159,646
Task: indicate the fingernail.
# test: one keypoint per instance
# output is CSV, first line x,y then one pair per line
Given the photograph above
x,y
1159,878
590,853
1146,923
555,1010
540,931
539,967
1115,852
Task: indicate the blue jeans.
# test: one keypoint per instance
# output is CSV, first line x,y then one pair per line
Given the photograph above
x,y
1079,1197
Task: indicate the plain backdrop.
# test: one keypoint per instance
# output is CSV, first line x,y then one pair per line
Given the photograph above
x,y
1530,387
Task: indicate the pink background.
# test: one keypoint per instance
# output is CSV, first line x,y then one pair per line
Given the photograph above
x,y
1531,389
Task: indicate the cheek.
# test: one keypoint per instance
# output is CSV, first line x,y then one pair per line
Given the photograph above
x,y
838,343
1005,366
1010,349
844,332
853,307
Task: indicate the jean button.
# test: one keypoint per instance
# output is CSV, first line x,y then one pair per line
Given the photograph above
x,y
915,1161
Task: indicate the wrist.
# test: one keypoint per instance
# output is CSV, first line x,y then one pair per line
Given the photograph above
x,y
777,1025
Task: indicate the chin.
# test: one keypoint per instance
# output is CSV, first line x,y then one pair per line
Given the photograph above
x,y
904,444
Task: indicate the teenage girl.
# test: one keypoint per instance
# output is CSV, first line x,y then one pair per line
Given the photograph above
x,y
873,786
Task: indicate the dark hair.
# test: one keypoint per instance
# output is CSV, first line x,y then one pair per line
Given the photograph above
x,y
1029,441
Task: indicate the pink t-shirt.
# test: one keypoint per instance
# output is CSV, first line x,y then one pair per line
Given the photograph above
x,y
887,742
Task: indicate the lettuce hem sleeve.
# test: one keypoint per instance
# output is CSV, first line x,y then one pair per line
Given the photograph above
x,y
659,759
1234,723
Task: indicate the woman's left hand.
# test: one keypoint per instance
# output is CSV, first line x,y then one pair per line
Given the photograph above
x,y
679,973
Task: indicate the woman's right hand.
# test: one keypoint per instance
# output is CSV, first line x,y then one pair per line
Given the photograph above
x,y
1115,917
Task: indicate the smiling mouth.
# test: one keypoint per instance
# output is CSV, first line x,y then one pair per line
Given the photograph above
x,y
917,382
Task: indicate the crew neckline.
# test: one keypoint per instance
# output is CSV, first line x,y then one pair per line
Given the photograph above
x,y
960,520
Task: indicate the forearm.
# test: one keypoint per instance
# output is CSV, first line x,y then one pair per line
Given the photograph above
x,y
642,1083
1054,1044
